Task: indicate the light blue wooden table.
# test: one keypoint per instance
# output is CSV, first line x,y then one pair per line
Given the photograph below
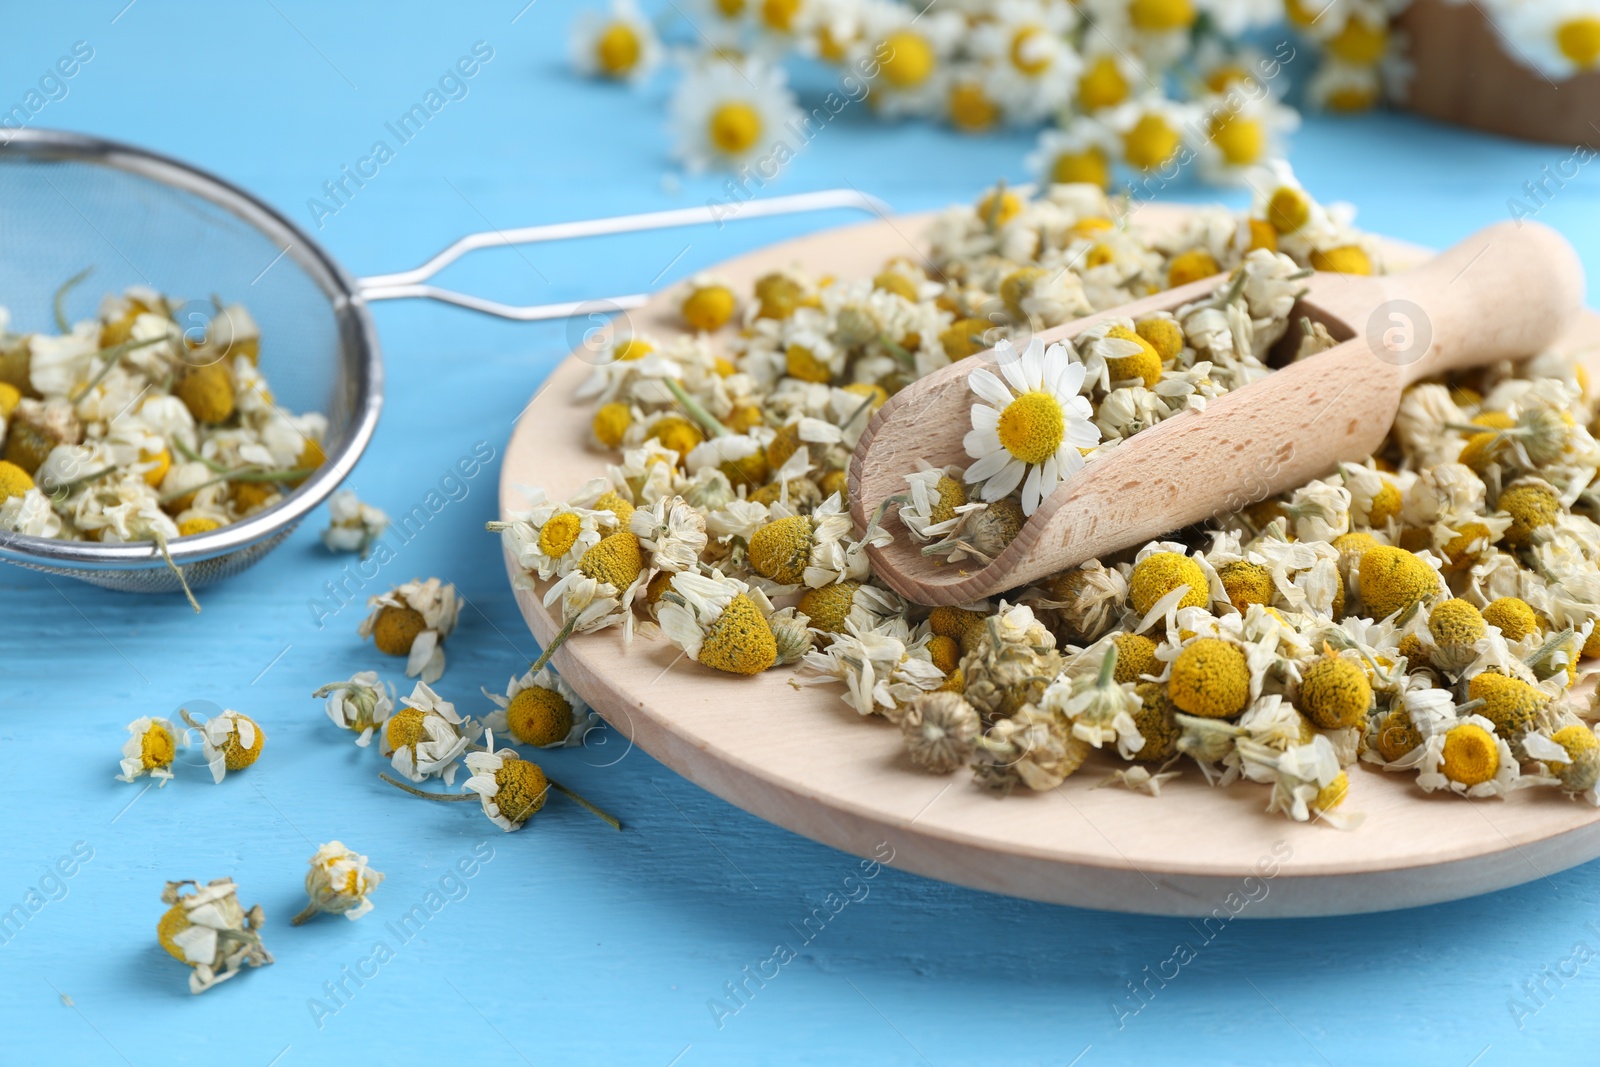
x,y
574,944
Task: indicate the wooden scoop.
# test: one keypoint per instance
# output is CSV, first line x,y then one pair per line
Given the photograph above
x,y
1507,292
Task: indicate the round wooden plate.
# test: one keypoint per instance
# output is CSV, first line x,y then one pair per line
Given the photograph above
x,y
801,758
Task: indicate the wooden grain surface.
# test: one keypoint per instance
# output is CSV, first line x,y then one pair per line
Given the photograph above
x,y
803,759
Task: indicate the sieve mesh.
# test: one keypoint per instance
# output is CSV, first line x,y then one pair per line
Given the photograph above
x,y
69,202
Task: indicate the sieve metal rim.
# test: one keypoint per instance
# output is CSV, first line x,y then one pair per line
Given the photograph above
x,y
359,352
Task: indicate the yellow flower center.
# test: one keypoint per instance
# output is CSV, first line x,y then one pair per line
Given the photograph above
x,y
1161,16
1025,55
1579,40
14,481
1335,693
829,607
1163,335
1221,78
611,422
1247,583
1016,287
1144,364
781,550
156,747
396,628
1510,703
1151,142
971,110
1098,255
1392,579
613,503
559,534
1136,655
709,308
1455,624
1242,141
907,59
539,716
1471,756
174,921
734,127
1090,167
617,50
1332,794
779,14
405,729
234,754
1160,573
1192,266
1032,427
1346,259
730,9
1102,84
1514,618
11,396
197,525
520,789
802,363
632,348
951,496
616,559
1352,98
740,641
1210,678
676,433
1288,210
1359,43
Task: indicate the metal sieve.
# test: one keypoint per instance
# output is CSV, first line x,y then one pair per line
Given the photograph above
x,y
68,201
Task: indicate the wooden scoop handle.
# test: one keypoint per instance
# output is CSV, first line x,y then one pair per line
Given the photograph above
x,y
1507,292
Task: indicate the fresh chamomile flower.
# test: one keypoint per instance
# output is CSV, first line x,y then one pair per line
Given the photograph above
x,y
353,526
361,705
230,740
909,51
540,710
338,883
426,736
1153,132
730,111
1031,425
620,44
1241,132
1561,38
412,620
209,930
718,621
1031,67
1470,759
151,747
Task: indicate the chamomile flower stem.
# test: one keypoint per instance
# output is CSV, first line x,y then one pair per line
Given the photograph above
x,y
616,824
59,490
861,409
448,798
305,916
1108,667
112,356
59,303
161,546
560,639
708,422
194,457
246,474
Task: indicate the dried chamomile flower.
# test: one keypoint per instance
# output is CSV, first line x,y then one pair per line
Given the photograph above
x,y
511,789
1469,759
1138,779
151,747
412,620
814,550
1335,692
791,632
1393,580
1028,429
940,731
980,532
361,705
338,883
1033,748
230,740
1100,708
548,538
1572,756
353,526
1307,780
719,622
542,710
1012,663
209,930
934,500
880,668
672,531
426,736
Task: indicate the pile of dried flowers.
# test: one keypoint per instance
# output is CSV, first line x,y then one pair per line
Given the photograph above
x,y
1424,610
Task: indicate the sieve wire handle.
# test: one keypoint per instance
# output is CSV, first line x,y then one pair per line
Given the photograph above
x,y
414,283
